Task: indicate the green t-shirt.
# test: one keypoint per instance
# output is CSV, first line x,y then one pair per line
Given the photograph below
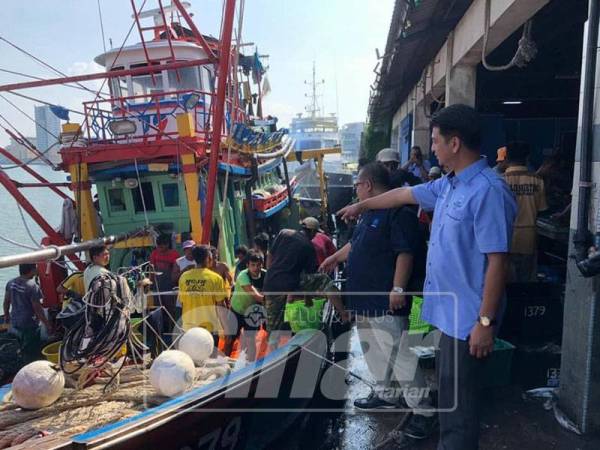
x,y
242,300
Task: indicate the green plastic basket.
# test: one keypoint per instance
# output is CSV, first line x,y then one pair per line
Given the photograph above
x,y
302,318
416,325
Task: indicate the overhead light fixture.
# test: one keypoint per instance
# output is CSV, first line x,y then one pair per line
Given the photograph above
x,y
190,101
512,102
122,127
131,183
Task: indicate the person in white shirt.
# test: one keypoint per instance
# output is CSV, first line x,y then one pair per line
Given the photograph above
x,y
184,262
99,259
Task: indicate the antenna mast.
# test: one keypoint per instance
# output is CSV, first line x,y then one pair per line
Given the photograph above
x,y
313,108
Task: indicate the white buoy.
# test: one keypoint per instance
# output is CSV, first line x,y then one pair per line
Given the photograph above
x,y
37,385
198,343
172,373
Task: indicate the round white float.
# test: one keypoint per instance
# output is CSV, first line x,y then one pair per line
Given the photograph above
x,y
37,384
172,373
198,343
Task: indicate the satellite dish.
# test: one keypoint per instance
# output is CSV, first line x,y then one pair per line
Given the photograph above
x,y
131,183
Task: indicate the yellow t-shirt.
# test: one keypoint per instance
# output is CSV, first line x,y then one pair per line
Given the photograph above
x,y
199,292
73,282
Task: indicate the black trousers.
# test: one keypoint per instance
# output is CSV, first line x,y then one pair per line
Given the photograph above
x,y
459,392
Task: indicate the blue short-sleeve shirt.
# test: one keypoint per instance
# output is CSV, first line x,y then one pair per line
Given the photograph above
x,y
474,213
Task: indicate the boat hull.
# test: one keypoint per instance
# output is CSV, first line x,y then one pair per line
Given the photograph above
x,y
248,409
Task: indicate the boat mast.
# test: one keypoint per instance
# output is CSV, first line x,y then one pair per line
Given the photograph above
x,y
313,108
219,109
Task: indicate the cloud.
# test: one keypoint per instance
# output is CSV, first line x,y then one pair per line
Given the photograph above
x,y
283,111
82,68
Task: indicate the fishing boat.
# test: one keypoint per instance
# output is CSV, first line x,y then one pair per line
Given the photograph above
x,y
173,148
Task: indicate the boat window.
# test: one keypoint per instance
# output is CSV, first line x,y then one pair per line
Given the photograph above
x,y
145,85
208,84
188,79
119,87
116,200
170,194
148,201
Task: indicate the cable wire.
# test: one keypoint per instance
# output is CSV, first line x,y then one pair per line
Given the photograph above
x,y
101,27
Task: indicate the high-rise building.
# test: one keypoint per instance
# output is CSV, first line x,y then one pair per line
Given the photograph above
x,y
350,140
19,151
47,130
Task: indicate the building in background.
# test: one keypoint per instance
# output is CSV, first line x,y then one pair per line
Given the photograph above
x,y
19,150
47,129
350,139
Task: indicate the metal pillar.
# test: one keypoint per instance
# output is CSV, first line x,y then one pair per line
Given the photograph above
x,y
579,394
322,187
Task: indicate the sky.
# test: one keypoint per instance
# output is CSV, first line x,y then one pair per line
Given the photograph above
x,y
340,36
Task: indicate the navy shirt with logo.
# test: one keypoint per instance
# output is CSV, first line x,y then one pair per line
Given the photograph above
x,y
378,238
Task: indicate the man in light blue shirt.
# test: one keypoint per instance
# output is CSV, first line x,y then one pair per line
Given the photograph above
x,y
416,165
474,212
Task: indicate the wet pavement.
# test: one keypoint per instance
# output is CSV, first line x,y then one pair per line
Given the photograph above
x,y
508,422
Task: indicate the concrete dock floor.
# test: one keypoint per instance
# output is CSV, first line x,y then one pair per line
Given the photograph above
x,y
508,422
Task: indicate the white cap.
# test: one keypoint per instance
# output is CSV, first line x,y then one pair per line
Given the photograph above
x,y
388,155
435,170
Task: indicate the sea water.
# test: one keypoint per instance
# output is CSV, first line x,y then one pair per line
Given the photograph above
x,y
47,203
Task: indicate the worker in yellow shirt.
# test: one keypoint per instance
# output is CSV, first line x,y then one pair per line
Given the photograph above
x,y
71,288
201,292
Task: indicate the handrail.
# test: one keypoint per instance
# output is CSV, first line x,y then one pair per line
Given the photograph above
x,y
284,151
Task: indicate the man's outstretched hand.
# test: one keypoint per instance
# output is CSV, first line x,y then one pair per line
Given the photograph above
x,y
350,212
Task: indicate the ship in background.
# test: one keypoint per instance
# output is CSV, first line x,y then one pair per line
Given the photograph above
x,y
325,182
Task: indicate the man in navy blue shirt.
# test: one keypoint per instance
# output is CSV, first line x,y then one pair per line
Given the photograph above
x,y
385,259
467,261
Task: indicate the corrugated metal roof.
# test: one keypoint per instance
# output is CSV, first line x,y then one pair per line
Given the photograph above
x,y
418,30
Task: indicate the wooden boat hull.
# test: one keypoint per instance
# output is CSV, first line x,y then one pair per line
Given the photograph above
x,y
249,408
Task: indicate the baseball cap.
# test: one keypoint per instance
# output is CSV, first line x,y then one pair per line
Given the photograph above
x,y
388,155
311,223
189,244
435,170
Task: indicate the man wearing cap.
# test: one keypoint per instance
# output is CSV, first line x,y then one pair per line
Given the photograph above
x,y
399,177
434,173
322,243
292,267
501,162
389,158
184,262
529,191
